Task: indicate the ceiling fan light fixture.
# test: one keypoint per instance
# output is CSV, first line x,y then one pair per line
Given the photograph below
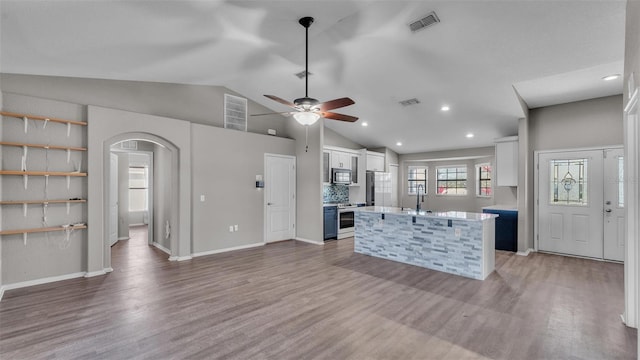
x,y
306,118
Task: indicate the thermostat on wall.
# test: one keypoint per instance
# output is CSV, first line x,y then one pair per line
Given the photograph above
x,y
271,132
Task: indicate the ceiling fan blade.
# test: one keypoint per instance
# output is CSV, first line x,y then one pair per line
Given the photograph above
x,y
274,113
281,101
336,116
334,104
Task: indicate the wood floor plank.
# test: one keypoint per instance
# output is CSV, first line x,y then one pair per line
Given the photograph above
x,y
292,300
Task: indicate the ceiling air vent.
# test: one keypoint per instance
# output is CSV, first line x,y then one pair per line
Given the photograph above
x,y
302,74
409,102
425,22
235,112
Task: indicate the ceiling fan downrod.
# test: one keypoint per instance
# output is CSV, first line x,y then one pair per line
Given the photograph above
x,y
306,22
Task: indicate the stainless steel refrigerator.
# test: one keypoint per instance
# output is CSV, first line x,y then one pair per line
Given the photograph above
x,y
378,186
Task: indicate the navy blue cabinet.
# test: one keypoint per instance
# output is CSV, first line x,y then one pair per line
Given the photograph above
x,y
330,222
506,229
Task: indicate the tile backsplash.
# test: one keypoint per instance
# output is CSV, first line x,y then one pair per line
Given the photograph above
x,y
335,193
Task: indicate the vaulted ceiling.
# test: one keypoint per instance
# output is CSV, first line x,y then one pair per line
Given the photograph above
x,y
474,60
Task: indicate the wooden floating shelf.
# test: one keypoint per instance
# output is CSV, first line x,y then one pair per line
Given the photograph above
x,y
42,118
42,146
20,202
41,173
39,230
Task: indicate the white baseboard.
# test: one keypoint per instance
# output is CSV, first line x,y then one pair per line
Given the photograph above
x,y
162,248
526,252
96,273
180,258
108,270
46,280
124,238
218,251
310,241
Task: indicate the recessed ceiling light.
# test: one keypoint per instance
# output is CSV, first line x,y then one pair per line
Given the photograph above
x,y
364,123
399,143
469,135
611,77
445,108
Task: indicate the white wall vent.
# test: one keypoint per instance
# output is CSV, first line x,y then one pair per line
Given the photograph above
x,y
235,112
129,145
425,22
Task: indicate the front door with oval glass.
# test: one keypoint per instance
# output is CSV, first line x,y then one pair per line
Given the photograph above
x,y
580,206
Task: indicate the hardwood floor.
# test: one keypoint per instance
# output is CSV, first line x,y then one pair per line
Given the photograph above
x,y
292,300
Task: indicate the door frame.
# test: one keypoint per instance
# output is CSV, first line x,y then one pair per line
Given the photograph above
x,y
113,186
150,189
536,189
264,197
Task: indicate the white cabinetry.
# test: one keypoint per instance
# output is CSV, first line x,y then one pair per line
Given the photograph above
x,y
507,161
340,160
326,166
375,161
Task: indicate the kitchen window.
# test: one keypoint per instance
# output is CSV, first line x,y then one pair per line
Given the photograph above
x,y
483,180
417,175
138,188
451,180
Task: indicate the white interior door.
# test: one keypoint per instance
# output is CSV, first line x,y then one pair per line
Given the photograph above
x,y
113,199
280,186
393,169
570,200
614,218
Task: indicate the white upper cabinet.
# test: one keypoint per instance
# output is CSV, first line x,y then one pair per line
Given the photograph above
x,y
375,161
507,161
340,160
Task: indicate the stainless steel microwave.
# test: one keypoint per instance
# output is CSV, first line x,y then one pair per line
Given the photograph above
x,y
340,176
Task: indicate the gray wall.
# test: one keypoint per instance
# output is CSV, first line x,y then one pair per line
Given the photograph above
x,y
582,124
632,45
195,103
332,138
225,165
585,123
470,157
123,195
109,126
309,221
161,195
469,202
45,254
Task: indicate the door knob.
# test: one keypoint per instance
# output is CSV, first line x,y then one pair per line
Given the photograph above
x,y
269,203
608,210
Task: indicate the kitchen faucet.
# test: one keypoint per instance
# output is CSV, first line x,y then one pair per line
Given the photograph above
x,y
418,197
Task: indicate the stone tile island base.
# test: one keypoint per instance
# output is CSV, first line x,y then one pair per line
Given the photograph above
x,y
459,243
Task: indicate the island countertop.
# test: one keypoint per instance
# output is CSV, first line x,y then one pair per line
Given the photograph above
x,y
454,215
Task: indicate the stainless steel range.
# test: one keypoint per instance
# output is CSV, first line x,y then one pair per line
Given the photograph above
x,y
346,219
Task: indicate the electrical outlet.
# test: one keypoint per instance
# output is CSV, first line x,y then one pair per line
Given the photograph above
x,y
458,232
230,228
201,198
235,227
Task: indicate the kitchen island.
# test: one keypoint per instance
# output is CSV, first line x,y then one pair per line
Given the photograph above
x,y
460,243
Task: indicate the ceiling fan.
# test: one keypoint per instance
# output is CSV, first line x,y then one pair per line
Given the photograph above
x,y
309,110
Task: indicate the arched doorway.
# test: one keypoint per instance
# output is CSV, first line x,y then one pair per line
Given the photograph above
x,y
109,126
163,214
